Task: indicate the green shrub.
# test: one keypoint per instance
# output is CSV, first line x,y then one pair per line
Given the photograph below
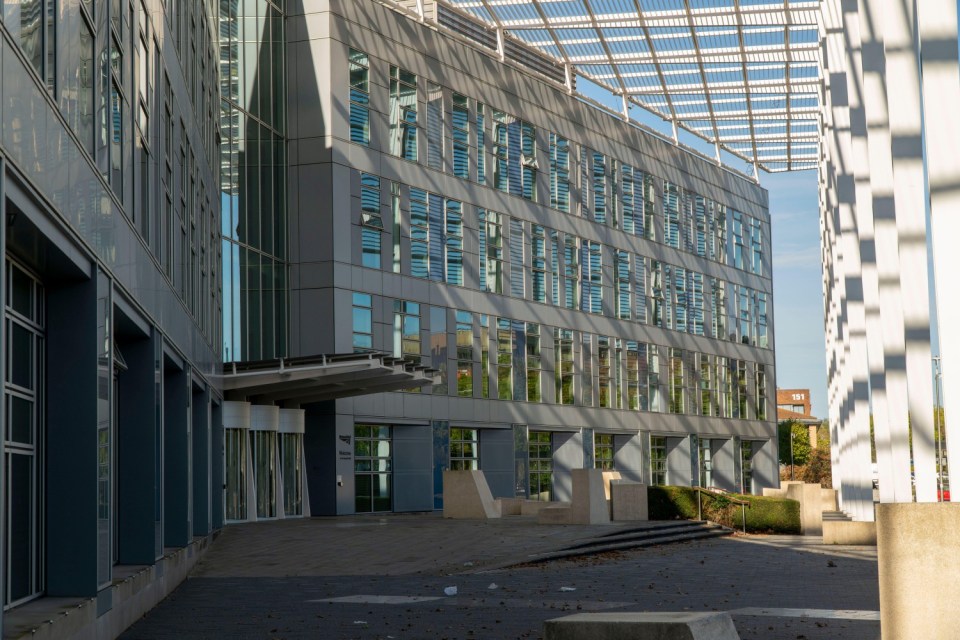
x,y
764,515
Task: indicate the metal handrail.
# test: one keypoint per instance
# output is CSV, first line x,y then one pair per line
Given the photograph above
x,y
744,504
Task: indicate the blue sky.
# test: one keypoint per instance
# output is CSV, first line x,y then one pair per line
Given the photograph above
x,y
797,288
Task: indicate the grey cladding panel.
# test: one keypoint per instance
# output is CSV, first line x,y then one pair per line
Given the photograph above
x,y
412,468
496,461
628,456
567,455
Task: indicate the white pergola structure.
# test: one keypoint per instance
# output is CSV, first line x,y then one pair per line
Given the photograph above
x,y
867,92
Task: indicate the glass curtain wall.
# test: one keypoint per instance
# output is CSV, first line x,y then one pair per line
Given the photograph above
x,y
236,474
253,183
291,465
24,437
541,465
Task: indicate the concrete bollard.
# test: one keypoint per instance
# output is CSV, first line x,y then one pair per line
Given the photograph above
x,y
642,626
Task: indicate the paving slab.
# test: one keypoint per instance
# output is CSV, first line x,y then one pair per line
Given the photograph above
x,y
385,577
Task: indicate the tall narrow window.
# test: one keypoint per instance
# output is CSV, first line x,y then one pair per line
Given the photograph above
x,y
500,155
628,204
481,146
570,276
528,161
700,224
434,126
640,288
454,242
723,388
542,279
484,356
465,354
559,173
654,383
624,284
746,466
406,330
403,114
756,246
541,465
677,388
370,220
671,215
563,364
656,294
586,359
504,360
761,391
517,271
605,371
491,250
633,375
362,322
707,402
419,234
397,221
680,298
658,460
534,365
591,280
600,188
438,347
461,136
738,240
359,97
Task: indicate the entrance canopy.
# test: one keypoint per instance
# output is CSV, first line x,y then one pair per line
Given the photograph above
x,y
298,381
743,75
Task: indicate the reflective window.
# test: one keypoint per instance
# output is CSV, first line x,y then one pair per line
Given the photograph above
x,y
370,220
534,364
559,173
563,367
746,466
541,465
658,460
362,322
504,360
373,468
465,351
406,330
461,136
603,451
403,114
359,97
464,449
435,126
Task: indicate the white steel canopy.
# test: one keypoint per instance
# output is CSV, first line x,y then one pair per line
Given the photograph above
x,y
741,74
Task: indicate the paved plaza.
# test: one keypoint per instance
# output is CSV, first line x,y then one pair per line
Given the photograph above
x,y
385,577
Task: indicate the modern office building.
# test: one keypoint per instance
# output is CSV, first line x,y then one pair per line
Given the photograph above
x,y
111,288
592,294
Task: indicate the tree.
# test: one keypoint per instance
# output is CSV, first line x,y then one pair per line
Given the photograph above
x,y
801,442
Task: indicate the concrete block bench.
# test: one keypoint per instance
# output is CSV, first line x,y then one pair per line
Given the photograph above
x,y
642,626
628,501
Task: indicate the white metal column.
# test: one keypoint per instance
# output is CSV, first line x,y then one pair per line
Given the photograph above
x,y
868,253
855,443
903,100
941,98
886,242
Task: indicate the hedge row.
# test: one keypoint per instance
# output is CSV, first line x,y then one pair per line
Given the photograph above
x,y
764,515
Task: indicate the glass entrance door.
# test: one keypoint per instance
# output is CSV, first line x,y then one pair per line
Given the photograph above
x,y
373,468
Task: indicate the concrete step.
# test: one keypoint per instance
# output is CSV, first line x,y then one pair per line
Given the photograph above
x,y
668,533
837,515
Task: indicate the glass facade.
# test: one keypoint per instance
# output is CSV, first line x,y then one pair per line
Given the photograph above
x,y
24,439
253,178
